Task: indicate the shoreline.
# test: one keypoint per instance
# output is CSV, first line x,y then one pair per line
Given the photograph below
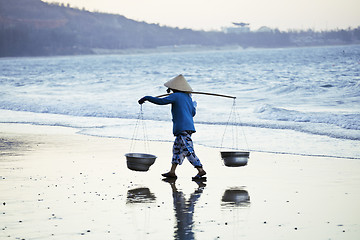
x,y
60,184
175,49
80,131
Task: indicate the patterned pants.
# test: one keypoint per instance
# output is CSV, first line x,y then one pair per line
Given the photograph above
x,y
183,147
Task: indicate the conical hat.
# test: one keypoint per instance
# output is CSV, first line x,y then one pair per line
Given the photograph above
x,y
179,83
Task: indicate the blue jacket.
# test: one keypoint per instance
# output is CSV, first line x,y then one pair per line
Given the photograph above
x,y
182,109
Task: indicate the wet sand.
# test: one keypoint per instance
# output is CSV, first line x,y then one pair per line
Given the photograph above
x,y
56,184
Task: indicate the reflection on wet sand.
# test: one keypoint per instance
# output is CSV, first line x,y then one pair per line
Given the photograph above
x,y
236,197
140,195
184,209
235,204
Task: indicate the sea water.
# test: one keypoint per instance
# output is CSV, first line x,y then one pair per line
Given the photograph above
x,y
290,101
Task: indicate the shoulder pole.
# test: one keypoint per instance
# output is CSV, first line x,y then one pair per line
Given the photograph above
x,y
203,93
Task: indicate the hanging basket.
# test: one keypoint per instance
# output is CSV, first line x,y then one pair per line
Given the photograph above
x,y
235,158
139,161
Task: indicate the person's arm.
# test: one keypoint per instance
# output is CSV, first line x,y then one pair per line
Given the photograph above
x,y
159,101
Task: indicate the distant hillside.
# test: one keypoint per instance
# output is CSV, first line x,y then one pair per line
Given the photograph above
x,y
33,28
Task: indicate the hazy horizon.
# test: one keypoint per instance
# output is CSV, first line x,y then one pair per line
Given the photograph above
x,y
216,14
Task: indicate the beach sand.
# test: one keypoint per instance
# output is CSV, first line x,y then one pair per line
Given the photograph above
x,y
57,184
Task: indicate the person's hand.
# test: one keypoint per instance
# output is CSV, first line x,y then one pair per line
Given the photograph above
x,y
141,100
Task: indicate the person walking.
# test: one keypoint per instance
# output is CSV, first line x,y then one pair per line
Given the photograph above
x,y
183,110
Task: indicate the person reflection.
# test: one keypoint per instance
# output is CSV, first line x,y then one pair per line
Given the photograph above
x,y
184,210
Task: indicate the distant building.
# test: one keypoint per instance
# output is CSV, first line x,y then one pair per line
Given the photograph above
x,y
238,28
264,29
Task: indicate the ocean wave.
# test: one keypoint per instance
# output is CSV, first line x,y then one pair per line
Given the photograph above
x,y
96,96
343,120
340,126
315,129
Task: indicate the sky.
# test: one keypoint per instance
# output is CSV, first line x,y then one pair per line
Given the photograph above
x,y
217,14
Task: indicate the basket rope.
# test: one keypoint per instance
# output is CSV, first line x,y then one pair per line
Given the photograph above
x,y
235,119
140,123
